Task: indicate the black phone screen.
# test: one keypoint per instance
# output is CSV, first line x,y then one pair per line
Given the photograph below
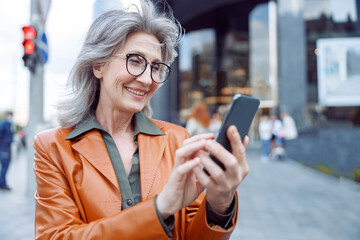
x,y
241,113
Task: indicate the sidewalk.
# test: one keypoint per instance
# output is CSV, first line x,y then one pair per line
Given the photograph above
x,y
283,200
279,200
17,210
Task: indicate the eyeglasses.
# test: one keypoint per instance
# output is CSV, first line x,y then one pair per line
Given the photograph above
x,y
136,65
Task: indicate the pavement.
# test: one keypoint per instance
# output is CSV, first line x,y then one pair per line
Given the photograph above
x,y
278,200
17,211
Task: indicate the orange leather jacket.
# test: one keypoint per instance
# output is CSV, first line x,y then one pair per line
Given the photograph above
x,y
78,196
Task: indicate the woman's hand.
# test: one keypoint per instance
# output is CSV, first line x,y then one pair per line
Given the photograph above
x,y
221,185
182,187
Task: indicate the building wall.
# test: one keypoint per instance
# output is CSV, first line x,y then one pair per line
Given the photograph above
x,y
334,149
292,59
329,136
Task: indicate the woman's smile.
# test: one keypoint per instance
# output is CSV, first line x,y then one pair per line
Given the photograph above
x,y
138,92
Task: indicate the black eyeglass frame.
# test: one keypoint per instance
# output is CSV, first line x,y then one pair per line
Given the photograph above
x,y
146,64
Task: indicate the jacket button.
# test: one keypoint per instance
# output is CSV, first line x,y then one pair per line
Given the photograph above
x,y
129,202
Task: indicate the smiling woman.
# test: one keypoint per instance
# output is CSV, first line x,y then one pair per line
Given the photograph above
x,y
110,169
119,93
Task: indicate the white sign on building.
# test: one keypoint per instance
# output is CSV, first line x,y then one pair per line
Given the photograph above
x,y
338,68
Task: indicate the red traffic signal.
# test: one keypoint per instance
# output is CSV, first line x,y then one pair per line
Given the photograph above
x,y
29,46
29,39
29,32
30,49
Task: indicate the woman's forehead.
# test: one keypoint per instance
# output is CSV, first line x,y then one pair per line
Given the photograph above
x,y
145,43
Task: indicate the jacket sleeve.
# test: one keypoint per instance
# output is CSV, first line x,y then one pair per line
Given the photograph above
x,y
197,226
57,215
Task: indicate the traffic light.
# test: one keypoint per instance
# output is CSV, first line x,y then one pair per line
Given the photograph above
x,y
30,52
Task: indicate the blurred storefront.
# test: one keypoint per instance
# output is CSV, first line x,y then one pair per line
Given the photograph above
x,y
299,56
225,51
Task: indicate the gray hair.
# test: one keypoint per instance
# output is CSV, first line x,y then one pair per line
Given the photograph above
x,y
106,36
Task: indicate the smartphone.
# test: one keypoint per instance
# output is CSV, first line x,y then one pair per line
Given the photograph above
x,y
241,113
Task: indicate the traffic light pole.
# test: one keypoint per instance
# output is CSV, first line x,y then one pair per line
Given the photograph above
x,y
36,103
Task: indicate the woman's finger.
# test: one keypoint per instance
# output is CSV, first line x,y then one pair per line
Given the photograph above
x,y
204,179
187,166
219,152
238,149
246,141
198,137
188,151
213,169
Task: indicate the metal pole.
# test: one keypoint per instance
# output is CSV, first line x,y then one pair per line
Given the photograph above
x,y
36,103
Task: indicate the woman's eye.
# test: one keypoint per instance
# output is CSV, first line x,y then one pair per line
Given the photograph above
x,y
156,68
135,60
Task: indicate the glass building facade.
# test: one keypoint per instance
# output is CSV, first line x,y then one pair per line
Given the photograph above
x,y
299,56
250,63
332,20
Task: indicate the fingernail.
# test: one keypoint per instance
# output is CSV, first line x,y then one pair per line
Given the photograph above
x,y
196,160
210,143
234,131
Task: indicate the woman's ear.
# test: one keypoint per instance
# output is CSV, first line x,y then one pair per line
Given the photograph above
x,y
98,70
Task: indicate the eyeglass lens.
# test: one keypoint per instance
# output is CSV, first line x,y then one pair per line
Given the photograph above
x,y
136,65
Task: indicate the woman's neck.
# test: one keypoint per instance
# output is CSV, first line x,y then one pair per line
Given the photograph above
x,y
114,122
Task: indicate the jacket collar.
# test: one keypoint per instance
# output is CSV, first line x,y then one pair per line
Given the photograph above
x,y
142,125
86,139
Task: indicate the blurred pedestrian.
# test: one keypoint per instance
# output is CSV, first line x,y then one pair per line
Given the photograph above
x,y
289,126
276,131
110,171
6,138
277,150
199,120
215,123
265,127
22,138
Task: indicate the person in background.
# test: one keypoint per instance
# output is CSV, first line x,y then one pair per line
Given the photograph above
x,y
289,126
277,131
6,138
22,138
265,127
277,150
215,123
199,120
110,171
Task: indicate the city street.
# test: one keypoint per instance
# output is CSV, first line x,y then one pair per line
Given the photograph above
x,y
85,63
279,200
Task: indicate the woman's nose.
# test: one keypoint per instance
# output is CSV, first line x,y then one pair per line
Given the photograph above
x,y
145,77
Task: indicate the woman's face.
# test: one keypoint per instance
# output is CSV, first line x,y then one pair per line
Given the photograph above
x,y
121,91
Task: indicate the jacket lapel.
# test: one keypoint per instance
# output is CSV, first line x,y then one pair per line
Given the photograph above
x,y
92,147
151,150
